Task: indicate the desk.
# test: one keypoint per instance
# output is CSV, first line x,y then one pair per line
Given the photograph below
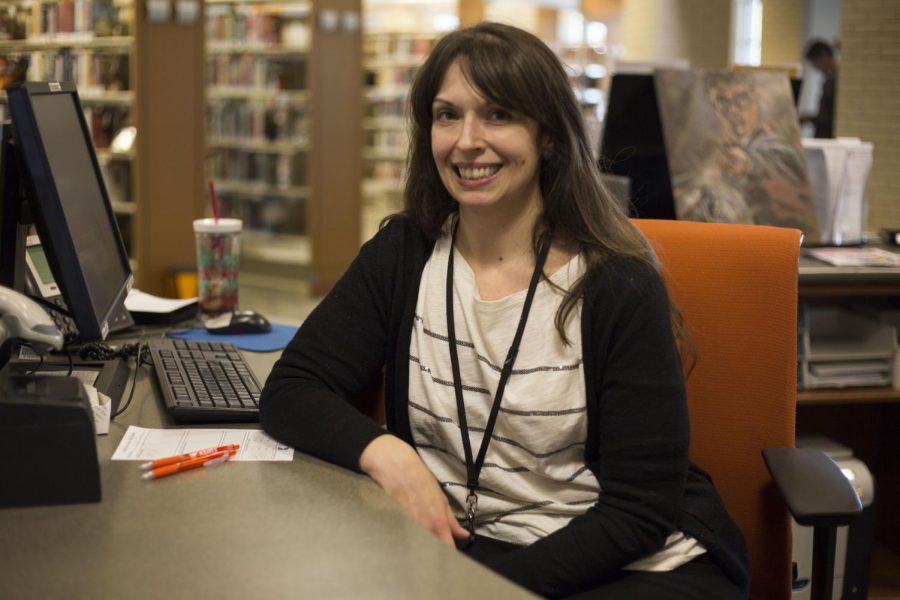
x,y
819,279
304,529
866,419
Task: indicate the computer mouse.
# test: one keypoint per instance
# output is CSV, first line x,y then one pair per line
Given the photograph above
x,y
241,321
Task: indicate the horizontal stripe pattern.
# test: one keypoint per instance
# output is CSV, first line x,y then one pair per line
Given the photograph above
x,y
534,478
488,363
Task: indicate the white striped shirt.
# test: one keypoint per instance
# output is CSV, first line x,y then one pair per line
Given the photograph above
x,y
534,479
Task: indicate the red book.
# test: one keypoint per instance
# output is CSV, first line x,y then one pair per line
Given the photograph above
x,y
66,16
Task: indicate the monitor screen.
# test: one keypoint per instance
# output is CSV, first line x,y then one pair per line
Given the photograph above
x,y
69,203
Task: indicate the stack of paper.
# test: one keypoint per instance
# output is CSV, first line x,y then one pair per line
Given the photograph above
x,y
855,257
838,175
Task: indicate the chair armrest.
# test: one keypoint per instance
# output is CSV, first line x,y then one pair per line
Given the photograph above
x,y
812,486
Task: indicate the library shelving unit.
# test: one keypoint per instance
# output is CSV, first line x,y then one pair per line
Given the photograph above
x,y
89,42
283,80
105,47
398,37
257,56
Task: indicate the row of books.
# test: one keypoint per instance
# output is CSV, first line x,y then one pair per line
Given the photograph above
x,y
393,140
65,16
264,120
266,214
88,69
259,72
278,170
394,107
249,25
95,17
399,45
390,75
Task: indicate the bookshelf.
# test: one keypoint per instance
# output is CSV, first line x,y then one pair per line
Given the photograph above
x,y
111,51
257,111
282,122
398,37
91,43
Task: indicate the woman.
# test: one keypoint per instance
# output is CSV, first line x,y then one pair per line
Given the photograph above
x,y
535,414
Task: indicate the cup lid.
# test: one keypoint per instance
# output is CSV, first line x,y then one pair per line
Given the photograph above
x,y
220,226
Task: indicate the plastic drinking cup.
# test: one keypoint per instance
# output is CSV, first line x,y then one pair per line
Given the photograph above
x,y
218,262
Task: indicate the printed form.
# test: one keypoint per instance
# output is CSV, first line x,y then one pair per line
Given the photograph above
x,y
142,443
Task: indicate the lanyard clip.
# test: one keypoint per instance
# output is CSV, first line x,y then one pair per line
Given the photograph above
x,y
471,505
471,509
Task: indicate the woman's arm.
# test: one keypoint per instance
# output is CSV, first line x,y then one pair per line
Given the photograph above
x,y
308,399
397,468
637,441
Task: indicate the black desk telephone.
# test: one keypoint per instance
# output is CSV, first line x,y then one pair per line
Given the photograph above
x,y
39,282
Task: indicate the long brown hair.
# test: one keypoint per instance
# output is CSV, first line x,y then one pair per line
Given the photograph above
x,y
516,70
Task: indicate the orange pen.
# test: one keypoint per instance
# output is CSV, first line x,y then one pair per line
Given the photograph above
x,y
171,460
209,460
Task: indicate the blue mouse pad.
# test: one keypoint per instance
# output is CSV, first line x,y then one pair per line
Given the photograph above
x,y
276,339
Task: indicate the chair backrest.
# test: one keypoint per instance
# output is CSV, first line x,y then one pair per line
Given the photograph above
x,y
736,287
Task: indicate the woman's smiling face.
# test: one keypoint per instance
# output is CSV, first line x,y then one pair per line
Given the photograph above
x,y
486,155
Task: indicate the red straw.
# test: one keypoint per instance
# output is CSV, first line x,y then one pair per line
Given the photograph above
x,y
213,200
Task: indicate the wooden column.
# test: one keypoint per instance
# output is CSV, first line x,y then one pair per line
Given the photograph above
x,y
601,10
336,164
169,169
471,12
547,20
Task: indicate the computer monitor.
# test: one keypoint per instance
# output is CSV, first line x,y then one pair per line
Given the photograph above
x,y
52,157
632,145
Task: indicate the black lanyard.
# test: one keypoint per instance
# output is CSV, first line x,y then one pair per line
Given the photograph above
x,y
473,468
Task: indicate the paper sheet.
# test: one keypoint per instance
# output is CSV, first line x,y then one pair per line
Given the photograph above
x,y
142,443
138,301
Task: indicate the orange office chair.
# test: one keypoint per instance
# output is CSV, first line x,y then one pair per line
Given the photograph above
x,y
736,287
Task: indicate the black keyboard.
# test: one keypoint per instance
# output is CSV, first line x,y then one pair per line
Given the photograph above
x,y
205,381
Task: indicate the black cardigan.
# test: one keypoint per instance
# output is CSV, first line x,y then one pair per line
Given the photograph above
x,y
638,430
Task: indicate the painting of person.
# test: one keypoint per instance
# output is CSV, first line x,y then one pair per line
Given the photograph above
x,y
733,146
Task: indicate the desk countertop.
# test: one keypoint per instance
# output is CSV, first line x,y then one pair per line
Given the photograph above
x,y
304,529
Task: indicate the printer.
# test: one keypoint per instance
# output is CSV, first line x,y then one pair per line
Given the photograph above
x,y
853,548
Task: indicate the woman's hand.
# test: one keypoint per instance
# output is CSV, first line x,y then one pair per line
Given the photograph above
x,y
396,467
